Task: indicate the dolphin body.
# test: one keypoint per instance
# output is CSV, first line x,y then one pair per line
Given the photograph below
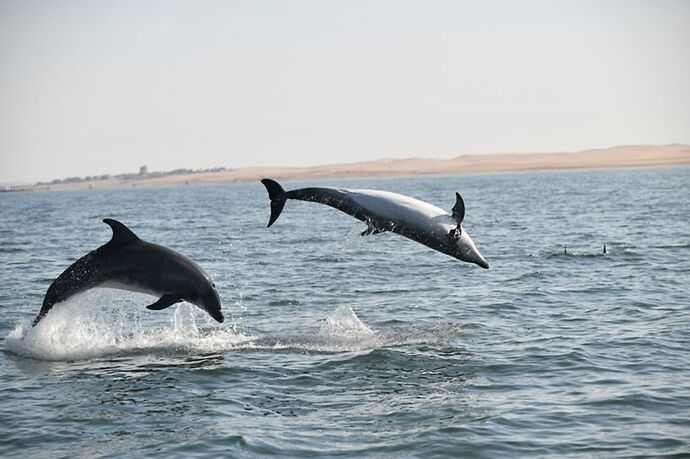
x,y
128,263
386,211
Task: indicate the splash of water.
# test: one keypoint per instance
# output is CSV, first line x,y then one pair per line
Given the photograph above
x,y
77,331
343,331
343,322
74,331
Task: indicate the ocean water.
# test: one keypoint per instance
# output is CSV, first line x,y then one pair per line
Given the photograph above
x,y
338,345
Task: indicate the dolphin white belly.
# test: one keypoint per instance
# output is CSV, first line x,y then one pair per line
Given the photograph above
x,y
416,215
133,287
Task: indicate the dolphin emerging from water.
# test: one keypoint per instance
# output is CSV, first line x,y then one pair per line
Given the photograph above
x,y
386,211
128,263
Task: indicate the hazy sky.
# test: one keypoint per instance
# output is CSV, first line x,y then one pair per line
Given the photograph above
x,y
96,87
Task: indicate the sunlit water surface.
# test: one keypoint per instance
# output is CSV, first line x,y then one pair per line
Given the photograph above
x,y
340,345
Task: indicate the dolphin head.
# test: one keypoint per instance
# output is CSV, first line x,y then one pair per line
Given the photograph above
x,y
463,248
458,242
206,297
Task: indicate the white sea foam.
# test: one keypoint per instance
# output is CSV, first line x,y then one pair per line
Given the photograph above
x,y
77,331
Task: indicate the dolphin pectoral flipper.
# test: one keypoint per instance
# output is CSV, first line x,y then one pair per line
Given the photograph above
x,y
371,229
164,302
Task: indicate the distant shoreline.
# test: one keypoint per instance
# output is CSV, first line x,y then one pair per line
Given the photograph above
x,y
616,157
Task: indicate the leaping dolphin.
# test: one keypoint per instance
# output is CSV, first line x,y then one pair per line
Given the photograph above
x,y
386,211
128,263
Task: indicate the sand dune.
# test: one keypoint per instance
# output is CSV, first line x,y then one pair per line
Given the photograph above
x,y
622,156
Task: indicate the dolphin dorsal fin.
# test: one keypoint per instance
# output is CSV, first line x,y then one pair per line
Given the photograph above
x,y
121,234
459,209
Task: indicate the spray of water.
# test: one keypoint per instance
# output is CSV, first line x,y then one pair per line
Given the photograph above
x,y
77,331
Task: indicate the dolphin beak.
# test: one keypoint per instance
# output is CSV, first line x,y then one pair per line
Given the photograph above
x,y
483,263
217,316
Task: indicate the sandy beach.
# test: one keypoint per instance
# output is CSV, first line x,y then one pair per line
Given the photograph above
x,y
621,156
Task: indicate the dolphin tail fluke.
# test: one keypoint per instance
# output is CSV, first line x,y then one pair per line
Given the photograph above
x,y
45,307
38,318
276,194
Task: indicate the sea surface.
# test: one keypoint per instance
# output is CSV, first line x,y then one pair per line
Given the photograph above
x,y
337,345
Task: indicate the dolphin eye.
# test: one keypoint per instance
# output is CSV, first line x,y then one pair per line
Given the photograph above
x,y
213,285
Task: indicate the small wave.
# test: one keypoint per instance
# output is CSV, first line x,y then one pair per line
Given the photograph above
x,y
11,249
672,246
325,259
575,254
284,302
528,275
